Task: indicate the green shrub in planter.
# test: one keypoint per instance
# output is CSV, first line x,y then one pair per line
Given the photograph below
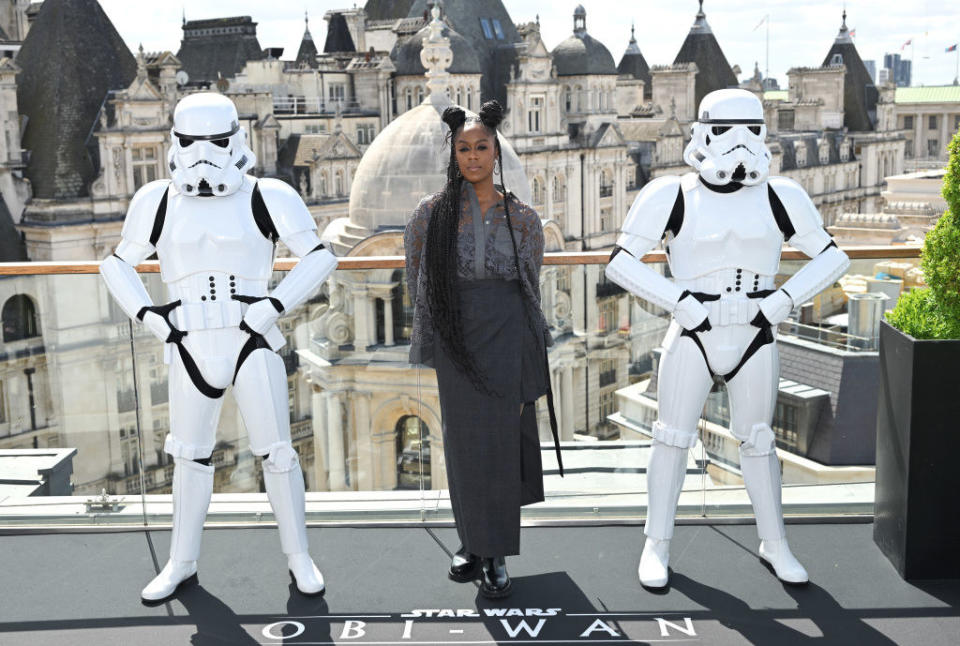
x,y
915,521
933,312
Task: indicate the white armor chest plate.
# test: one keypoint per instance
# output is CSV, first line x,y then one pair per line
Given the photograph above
x,y
725,231
213,235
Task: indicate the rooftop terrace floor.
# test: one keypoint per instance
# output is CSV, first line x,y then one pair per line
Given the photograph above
x,y
83,588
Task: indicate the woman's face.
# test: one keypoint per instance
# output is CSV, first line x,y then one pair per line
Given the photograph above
x,y
476,151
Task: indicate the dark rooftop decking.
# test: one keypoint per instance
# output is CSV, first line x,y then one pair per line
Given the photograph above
x,y
83,588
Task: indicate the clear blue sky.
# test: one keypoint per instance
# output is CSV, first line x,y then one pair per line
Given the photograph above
x,y
801,31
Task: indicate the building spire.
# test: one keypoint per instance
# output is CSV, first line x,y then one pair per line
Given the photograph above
x,y
843,36
436,57
579,20
306,30
700,23
632,47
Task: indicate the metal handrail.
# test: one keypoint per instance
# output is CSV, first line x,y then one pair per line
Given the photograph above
x,y
397,262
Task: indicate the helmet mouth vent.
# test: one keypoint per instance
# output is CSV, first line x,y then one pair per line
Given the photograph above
x,y
739,174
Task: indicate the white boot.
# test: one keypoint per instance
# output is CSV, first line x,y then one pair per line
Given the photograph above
x,y
285,490
654,562
786,566
192,488
761,476
665,474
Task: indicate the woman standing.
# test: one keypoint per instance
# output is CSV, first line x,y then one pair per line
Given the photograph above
x,y
473,255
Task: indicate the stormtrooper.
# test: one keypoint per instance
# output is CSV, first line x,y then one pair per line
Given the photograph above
x,y
723,227
214,229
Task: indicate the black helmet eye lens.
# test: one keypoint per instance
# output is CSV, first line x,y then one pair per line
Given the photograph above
x,y
755,130
184,142
223,143
719,130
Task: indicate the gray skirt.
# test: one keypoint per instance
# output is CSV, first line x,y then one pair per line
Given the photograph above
x,y
492,451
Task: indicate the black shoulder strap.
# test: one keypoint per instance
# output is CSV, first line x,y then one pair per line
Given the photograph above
x,y
780,214
262,216
159,218
676,215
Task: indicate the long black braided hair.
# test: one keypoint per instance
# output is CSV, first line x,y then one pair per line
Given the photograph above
x,y
442,236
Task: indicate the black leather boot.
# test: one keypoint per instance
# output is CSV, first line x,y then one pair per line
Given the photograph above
x,y
494,580
464,566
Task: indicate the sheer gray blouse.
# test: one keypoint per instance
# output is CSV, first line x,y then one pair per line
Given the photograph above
x,y
492,257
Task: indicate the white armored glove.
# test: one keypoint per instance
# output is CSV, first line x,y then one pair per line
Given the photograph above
x,y
261,316
691,314
157,325
773,309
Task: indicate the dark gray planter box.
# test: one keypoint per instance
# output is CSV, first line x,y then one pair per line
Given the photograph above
x,y
917,505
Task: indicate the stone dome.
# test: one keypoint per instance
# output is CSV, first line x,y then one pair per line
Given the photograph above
x,y
406,54
582,54
407,161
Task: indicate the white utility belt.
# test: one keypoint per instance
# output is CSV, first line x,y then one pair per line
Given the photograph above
x,y
218,314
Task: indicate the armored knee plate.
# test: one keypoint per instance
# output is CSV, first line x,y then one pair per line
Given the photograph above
x,y
761,441
281,458
674,436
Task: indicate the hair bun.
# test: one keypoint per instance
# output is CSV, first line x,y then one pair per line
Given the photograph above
x,y
491,114
454,117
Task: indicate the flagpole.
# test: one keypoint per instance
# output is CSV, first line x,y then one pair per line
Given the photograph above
x,y
767,74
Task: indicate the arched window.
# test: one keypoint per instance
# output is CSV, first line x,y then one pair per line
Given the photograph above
x,y
569,97
538,195
323,184
408,95
459,96
469,98
338,183
579,91
419,95
558,189
19,319
413,453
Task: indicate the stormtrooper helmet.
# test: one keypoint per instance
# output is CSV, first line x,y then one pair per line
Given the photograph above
x,y
209,153
728,142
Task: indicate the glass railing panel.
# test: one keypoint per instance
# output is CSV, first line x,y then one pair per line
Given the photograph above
x,y
367,424
70,431
354,411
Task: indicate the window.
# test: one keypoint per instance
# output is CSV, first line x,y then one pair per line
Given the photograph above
x,y
558,189
419,95
608,404
569,97
785,119
606,183
408,95
365,133
487,32
608,372
19,319
609,315
145,167
338,92
498,30
338,183
579,91
323,183
469,98
956,122
908,122
459,96
413,453
537,191
933,122
933,148
534,114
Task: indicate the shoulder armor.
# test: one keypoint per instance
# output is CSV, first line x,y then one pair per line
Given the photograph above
x,y
288,214
795,212
141,226
650,215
